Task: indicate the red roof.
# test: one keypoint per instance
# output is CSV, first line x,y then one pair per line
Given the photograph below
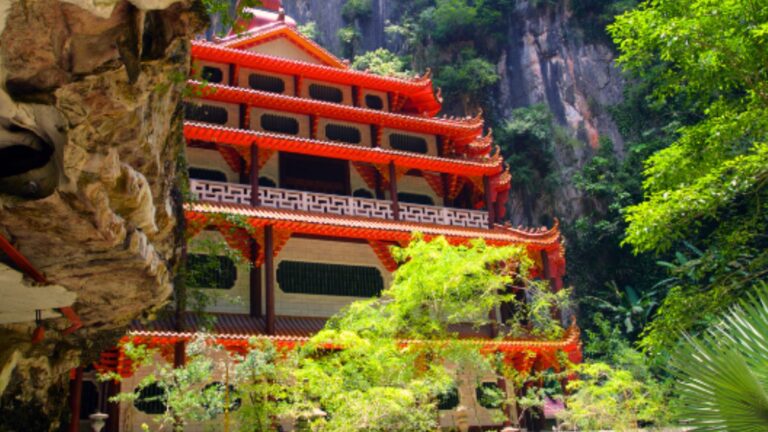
x,y
244,138
234,325
277,30
418,91
462,131
371,229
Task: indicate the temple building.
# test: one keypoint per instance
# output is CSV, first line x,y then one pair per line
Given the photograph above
x,y
313,171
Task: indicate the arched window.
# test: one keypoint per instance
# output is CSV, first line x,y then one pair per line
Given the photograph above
x,y
205,113
325,93
413,198
489,395
267,182
347,134
280,124
151,399
207,174
266,83
206,271
212,74
448,400
374,102
408,143
362,193
329,279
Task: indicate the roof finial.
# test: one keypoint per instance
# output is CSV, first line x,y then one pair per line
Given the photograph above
x,y
281,14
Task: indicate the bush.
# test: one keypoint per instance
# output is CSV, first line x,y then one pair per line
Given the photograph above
x,y
356,9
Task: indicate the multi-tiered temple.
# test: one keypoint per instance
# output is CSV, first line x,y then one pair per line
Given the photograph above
x,y
313,170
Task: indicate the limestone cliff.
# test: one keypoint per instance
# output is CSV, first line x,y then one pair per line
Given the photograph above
x,y
89,139
544,59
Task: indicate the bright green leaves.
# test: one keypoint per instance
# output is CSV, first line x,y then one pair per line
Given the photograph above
x,y
381,62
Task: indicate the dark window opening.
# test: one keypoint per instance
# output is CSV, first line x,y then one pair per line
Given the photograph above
x,y
205,113
279,124
207,174
266,83
408,143
329,279
489,395
374,102
206,271
89,400
448,400
151,399
212,74
325,93
314,174
362,193
415,198
267,182
347,134
216,391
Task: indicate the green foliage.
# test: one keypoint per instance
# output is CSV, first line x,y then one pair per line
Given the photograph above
x,y
469,74
349,37
454,20
628,307
309,30
723,373
381,62
356,9
709,186
227,17
593,16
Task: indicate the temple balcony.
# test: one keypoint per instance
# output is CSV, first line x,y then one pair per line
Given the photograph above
x,y
233,193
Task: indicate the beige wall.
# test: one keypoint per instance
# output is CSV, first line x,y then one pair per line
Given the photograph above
x,y
346,91
328,252
282,47
287,80
431,140
210,159
382,95
234,300
197,67
365,130
417,185
233,111
255,120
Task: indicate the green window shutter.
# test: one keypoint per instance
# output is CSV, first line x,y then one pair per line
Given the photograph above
x,y
329,279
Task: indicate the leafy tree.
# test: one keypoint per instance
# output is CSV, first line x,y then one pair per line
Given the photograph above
x,y
356,9
381,62
723,373
709,186
309,29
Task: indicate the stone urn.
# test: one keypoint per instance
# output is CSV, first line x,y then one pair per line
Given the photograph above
x,y
98,420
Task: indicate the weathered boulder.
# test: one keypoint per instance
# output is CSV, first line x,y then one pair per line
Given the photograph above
x,y
90,136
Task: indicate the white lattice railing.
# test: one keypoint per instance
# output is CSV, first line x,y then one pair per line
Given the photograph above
x,y
205,190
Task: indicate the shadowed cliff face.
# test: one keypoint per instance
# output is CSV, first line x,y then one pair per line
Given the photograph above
x,y
544,59
89,138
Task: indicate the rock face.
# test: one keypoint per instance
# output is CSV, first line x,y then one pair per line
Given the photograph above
x,y
544,60
89,92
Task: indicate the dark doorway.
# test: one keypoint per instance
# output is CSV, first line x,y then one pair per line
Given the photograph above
x,y
314,174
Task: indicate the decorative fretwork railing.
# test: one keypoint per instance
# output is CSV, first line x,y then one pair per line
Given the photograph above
x,y
232,193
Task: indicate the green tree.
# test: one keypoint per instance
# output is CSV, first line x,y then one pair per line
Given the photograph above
x,y
707,187
381,62
723,373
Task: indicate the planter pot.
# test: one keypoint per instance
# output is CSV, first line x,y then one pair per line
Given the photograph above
x,y
98,420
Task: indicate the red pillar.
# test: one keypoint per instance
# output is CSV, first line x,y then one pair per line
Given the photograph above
x,y
489,201
393,191
75,397
113,408
269,269
255,200
255,283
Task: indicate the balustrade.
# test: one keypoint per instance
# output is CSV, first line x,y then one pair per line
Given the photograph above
x,y
232,193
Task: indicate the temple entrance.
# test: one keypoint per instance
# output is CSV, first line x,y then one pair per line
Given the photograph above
x,y
314,174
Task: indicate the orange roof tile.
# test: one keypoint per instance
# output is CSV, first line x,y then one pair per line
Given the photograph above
x,y
419,90
244,138
462,131
372,229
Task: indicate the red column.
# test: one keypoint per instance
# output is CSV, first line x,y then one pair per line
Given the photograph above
x,y
393,191
269,270
255,283
113,408
489,201
255,200
75,397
